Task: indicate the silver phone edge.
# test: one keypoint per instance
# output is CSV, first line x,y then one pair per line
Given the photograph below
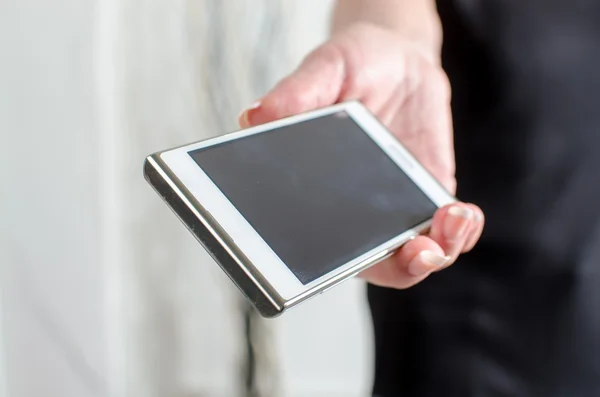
x,y
230,258
212,237
385,253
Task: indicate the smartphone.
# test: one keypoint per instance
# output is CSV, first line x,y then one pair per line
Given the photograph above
x,y
294,207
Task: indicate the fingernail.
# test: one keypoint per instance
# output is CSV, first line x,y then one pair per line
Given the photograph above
x,y
455,224
478,217
427,262
245,118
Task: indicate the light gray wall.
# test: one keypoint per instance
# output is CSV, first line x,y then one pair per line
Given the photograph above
x,y
53,280
103,291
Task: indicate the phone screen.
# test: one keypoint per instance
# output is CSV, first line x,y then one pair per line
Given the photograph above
x,y
320,192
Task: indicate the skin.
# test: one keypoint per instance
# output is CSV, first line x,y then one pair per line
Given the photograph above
x,y
386,54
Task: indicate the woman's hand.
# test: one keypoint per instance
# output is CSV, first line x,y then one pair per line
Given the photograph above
x,y
410,94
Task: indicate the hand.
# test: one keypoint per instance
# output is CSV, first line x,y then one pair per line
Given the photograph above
x,y
410,94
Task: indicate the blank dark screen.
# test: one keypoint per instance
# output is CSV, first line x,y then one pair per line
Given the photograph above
x,y
319,192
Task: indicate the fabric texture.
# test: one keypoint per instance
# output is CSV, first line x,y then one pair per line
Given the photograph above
x,y
520,315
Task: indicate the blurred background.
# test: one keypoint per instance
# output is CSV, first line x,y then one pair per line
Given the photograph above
x,y
103,291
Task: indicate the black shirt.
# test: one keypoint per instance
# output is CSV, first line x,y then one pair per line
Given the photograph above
x,y
520,315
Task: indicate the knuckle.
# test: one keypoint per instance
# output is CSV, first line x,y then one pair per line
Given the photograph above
x,y
331,53
346,59
296,103
442,84
433,79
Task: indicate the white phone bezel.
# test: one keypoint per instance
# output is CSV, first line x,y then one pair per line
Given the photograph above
x,y
243,234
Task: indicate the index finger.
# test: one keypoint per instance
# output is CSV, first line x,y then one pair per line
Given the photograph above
x,y
316,83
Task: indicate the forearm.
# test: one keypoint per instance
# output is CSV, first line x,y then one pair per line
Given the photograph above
x,y
415,20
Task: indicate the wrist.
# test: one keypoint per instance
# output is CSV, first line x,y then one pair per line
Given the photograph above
x,y
427,44
414,21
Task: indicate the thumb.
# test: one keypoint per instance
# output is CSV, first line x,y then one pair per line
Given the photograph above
x,y
316,83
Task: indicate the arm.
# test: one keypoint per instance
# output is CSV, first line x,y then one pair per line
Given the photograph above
x,y
414,20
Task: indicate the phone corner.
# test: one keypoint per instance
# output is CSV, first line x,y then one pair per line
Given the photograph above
x,y
354,104
268,310
147,168
150,165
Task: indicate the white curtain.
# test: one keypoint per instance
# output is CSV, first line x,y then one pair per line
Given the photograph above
x,y
104,292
